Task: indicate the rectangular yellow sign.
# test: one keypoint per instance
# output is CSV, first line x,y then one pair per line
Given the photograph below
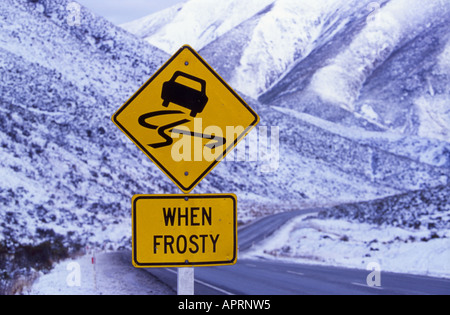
x,y
184,230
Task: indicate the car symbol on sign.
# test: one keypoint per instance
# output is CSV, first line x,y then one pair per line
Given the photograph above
x,y
185,96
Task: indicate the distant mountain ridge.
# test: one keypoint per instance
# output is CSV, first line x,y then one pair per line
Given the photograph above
x,y
338,60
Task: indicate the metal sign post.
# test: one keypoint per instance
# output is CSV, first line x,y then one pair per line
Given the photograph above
x,y
184,231
185,281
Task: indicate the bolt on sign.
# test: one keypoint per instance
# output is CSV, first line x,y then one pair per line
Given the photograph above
x,y
186,118
184,230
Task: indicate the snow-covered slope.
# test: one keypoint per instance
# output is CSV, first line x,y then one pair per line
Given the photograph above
x,y
60,155
287,33
196,22
425,150
70,170
386,70
344,61
147,26
281,33
69,173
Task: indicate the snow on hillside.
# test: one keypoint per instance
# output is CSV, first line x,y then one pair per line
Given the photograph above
x,y
112,274
149,25
62,152
59,86
69,173
196,22
381,71
425,150
339,60
356,245
286,31
286,34
344,76
407,233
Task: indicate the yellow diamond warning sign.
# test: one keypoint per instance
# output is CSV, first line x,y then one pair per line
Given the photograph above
x,y
184,231
186,118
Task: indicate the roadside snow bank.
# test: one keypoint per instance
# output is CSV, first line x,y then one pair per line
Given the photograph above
x,y
111,275
355,245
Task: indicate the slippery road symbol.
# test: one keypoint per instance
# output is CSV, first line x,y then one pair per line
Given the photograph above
x,y
183,108
165,130
184,96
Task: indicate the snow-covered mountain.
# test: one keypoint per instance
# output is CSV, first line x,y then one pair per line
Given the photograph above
x,y
391,72
60,155
197,22
280,54
377,128
336,59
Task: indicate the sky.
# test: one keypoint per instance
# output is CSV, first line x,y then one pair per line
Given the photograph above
x,y
121,11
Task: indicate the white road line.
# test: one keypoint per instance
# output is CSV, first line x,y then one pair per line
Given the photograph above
x,y
214,287
251,265
205,284
295,273
366,286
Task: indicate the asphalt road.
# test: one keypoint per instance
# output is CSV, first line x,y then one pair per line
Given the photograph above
x,y
260,277
249,277
259,230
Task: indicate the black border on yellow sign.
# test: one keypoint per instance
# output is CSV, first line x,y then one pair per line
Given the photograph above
x,y
144,149
191,263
